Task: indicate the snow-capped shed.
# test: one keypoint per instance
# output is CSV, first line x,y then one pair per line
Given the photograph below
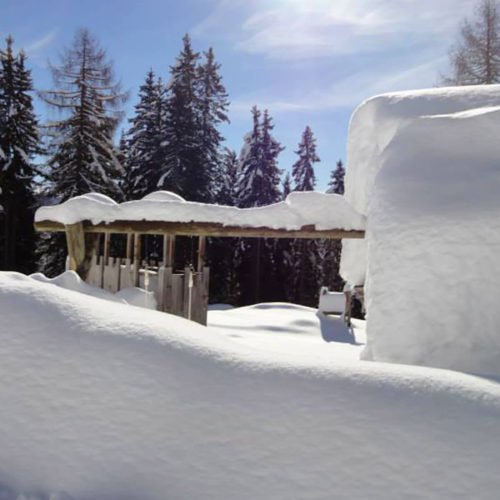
x,y
424,167
184,292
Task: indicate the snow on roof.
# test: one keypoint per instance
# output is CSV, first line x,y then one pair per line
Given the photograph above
x,y
324,211
103,400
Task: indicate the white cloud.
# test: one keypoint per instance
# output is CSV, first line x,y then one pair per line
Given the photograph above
x,y
36,46
348,92
291,29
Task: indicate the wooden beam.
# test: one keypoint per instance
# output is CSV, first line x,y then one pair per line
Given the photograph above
x,y
204,229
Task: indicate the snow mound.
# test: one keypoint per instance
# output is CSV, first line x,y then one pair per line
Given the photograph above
x,y
163,196
424,167
105,401
326,211
70,280
138,297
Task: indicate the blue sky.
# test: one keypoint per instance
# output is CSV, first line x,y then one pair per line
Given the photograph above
x,y
309,62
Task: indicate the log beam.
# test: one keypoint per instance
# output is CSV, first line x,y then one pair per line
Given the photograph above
x,y
203,229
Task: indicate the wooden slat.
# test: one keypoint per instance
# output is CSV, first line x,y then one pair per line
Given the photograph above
x,y
203,229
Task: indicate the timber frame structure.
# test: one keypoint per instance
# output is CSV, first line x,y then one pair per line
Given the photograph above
x,y
185,293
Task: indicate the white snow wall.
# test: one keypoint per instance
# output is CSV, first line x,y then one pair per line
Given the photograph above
x,y
424,167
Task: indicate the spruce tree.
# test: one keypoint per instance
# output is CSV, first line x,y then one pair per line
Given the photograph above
x,y
303,168
330,250
258,185
213,102
19,143
184,161
145,142
287,185
305,276
82,155
336,184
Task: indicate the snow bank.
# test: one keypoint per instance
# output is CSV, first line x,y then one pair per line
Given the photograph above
x,y
325,211
103,401
70,280
374,125
424,167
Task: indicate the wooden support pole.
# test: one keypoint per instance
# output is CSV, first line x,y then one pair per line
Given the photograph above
x,y
137,258
75,242
107,246
130,242
202,246
168,250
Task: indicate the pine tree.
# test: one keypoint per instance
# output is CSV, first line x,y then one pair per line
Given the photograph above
x,y
145,141
305,274
259,173
222,252
475,59
303,168
213,101
336,184
184,162
19,142
83,157
258,185
287,186
330,250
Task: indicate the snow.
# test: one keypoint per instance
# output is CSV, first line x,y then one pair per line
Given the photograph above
x,y
70,280
423,167
372,128
101,400
325,211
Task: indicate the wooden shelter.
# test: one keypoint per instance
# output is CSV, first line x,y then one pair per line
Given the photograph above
x,y
184,293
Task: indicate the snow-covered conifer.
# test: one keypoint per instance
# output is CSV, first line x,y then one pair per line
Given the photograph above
x,y
82,155
145,141
303,168
336,184
19,142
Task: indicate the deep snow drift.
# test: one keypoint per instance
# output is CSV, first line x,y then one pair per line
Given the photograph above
x,y
103,401
424,167
325,211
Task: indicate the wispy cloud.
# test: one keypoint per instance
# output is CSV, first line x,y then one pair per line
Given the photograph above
x,y
291,29
347,92
36,46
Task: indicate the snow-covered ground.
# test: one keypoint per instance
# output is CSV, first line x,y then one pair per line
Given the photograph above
x,y
103,400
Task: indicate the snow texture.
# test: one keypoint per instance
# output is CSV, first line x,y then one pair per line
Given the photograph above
x,y
325,211
104,401
71,281
424,168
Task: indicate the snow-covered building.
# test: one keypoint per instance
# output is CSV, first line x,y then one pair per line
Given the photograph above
x,y
424,167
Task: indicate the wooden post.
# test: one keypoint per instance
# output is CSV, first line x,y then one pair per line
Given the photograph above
x,y
130,242
137,258
168,250
202,246
107,246
75,242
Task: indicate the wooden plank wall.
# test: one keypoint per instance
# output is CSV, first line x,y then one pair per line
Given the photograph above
x,y
171,289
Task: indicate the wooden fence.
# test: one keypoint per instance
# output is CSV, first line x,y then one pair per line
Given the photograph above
x,y
181,293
